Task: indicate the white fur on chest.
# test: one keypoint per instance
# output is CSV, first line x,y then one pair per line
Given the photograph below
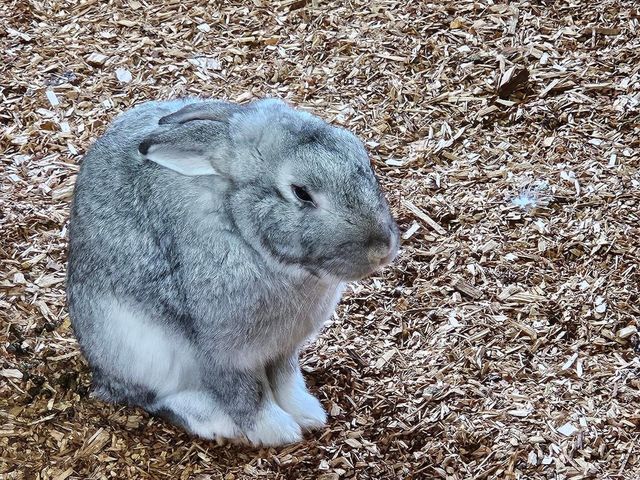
x,y
301,317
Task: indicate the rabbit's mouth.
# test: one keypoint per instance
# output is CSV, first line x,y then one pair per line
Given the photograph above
x,y
352,261
348,271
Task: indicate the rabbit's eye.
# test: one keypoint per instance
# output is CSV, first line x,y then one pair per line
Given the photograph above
x,y
302,194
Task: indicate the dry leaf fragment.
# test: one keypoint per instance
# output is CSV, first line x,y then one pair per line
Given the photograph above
x,y
457,23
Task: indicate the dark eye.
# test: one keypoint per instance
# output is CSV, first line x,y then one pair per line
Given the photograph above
x,y
302,194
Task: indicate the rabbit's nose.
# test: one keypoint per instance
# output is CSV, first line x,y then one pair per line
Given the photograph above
x,y
382,251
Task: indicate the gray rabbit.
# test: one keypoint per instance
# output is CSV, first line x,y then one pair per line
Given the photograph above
x,y
208,242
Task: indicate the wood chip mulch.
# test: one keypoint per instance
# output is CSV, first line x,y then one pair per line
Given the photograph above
x,y
503,343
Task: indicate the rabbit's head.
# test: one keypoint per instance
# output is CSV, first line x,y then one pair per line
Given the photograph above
x,y
302,192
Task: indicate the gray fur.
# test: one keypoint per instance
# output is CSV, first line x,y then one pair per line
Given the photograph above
x,y
192,293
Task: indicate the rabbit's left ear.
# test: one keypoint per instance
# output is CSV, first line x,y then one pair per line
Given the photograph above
x,y
168,149
215,110
195,142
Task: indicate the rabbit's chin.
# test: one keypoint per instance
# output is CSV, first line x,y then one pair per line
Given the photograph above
x,y
344,274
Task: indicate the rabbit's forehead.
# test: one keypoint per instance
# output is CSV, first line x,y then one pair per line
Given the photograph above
x,y
325,161
334,176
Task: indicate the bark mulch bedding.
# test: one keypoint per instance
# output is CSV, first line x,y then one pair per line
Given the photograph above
x,y
502,344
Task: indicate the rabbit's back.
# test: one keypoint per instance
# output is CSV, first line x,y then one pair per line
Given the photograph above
x,y
123,217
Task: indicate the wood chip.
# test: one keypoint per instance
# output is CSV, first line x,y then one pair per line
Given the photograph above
x,y
514,79
96,59
626,332
64,475
424,217
411,231
519,413
567,365
11,373
567,430
53,99
467,289
123,75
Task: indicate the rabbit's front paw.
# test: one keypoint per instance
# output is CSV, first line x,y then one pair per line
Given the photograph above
x,y
274,427
306,410
310,414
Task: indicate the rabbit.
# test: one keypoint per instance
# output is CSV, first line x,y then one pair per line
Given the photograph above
x,y
208,241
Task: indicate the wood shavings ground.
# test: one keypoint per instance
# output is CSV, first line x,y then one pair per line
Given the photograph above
x,y
503,344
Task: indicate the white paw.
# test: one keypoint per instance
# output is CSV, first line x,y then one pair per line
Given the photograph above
x,y
307,411
219,429
198,413
295,399
274,427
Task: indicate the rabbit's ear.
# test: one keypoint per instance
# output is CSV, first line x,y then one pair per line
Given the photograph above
x,y
271,122
193,148
215,110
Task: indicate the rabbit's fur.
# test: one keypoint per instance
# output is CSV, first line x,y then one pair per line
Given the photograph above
x,y
196,272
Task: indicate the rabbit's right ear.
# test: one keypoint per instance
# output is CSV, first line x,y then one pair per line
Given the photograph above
x,y
194,143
